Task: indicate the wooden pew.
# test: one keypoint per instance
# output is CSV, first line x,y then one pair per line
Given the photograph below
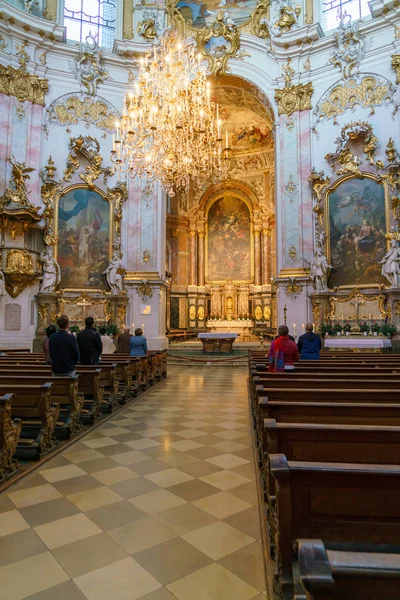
x,y
64,391
350,507
316,442
333,575
10,431
39,415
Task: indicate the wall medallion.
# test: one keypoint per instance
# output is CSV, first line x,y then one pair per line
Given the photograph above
x,y
258,313
192,313
200,313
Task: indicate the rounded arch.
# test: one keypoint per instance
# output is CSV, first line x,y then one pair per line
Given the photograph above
x,y
234,186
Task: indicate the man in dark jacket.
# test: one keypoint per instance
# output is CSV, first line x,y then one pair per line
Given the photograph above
x,y
64,351
124,341
89,342
309,344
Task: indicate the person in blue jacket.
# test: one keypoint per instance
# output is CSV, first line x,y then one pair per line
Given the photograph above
x,y
309,344
138,344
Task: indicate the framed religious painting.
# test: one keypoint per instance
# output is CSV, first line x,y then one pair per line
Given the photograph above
x,y
84,228
229,241
356,221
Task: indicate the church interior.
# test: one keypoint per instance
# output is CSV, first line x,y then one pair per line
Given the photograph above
x,y
199,299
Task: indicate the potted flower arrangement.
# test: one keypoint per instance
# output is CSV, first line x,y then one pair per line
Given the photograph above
x,y
75,329
388,329
337,329
375,328
326,329
364,328
347,328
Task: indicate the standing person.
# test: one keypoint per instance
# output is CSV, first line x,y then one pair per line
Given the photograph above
x,y
45,344
108,344
283,352
309,344
138,344
124,341
64,351
89,342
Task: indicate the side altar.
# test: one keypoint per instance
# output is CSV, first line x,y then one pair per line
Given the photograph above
x,y
357,343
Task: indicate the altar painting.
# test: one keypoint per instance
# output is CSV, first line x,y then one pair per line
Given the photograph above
x,y
229,241
356,232
83,248
202,14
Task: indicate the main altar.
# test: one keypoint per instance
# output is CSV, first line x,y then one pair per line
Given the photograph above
x,y
241,327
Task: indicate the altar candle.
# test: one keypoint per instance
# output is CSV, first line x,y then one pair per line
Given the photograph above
x,y
133,327
294,328
143,327
302,327
226,139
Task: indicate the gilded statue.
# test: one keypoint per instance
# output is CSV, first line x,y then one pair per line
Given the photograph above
x,y
115,270
19,262
391,264
288,16
51,271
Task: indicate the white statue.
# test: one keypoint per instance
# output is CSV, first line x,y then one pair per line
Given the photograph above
x,y
2,285
391,264
319,270
115,271
51,271
30,4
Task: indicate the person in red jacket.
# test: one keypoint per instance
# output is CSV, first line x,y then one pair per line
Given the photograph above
x,y
283,352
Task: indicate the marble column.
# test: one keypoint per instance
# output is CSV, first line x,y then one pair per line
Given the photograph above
x,y
257,257
200,258
192,257
266,256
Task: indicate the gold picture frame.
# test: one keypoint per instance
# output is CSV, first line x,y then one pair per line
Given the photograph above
x,y
111,228
215,198
329,191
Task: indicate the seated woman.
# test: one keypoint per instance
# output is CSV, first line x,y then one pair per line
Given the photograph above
x,y
138,344
283,352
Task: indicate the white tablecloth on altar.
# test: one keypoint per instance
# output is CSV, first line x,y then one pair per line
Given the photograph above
x,y
218,335
229,324
348,342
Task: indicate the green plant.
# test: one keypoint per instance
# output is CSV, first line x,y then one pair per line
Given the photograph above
x,y
112,329
326,329
346,327
388,329
74,329
364,327
337,328
375,328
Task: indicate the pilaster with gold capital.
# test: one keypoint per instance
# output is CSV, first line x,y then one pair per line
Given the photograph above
x,y
192,256
266,255
200,257
257,250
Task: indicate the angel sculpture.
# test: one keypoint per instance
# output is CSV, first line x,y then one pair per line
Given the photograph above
x,y
391,264
2,285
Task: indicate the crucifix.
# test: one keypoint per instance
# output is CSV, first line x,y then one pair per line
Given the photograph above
x,y
357,302
84,303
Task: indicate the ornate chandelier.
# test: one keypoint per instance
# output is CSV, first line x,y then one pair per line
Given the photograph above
x,y
170,129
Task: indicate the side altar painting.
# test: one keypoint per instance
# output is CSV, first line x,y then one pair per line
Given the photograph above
x,y
229,241
83,248
357,222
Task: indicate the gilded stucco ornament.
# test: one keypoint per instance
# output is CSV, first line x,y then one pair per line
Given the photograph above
x,y
390,151
48,192
293,288
292,97
349,162
19,271
396,66
118,195
24,86
350,46
89,148
88,65
259,24
74,108
285,18
151,25
228,38
145,291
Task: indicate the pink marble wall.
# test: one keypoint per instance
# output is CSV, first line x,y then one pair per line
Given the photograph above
x,y
5,138
35,114
305,166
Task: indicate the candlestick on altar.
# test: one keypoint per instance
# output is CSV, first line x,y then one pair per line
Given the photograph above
x,y
133,327
143,327
294,329
302,327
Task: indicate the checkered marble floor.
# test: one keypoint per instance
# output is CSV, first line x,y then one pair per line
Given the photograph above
x,y
159,503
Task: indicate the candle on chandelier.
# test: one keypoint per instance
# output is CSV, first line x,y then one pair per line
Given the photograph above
x,y
226,139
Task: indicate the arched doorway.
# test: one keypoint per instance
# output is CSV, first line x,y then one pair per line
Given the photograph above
x,y
223,234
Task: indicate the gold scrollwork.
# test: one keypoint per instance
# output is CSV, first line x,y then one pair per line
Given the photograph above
x,y
23,85
293,98
396,66
218,59
258,25
118,195
147,29
192,312
89,148
355,295
128,20
19,271
87,300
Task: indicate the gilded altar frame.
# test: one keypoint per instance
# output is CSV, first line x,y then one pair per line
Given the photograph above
x,y
111,228
331,189
243,198
354,293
